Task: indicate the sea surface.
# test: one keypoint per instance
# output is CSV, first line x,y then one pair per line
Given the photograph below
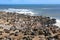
x,y
51,10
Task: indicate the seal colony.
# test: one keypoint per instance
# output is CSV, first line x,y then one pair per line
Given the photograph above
x,y
14,26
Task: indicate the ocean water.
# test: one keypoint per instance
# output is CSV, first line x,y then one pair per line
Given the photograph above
x,y
51,10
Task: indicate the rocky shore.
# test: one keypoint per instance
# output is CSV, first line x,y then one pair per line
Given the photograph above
x,y
14,26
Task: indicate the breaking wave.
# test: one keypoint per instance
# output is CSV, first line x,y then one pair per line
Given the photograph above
x,y
20,11
58,22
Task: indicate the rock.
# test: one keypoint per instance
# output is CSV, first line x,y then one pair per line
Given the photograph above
x,y
14,26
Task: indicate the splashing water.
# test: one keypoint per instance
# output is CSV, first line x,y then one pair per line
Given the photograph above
x,y
58,23
20,11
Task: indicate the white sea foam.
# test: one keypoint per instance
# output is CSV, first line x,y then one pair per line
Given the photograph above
x,y
20,11
58,22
